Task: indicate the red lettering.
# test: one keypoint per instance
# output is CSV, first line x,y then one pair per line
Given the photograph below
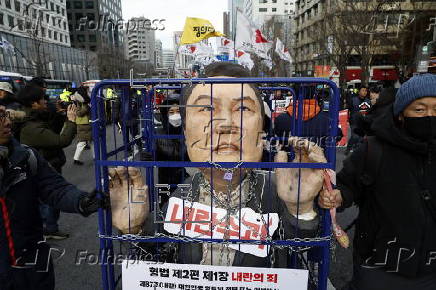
x,y
202,215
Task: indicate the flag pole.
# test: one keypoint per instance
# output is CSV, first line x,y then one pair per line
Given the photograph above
x,y
175,59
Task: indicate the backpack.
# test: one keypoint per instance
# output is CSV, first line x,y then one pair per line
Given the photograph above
x,y
32,161
374,154
371,168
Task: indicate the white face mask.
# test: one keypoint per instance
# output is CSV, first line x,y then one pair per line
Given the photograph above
x,y
175,120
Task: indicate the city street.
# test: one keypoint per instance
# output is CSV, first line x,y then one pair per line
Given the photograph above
x,y
83,237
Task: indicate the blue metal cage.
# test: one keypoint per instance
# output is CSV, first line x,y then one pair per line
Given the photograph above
x,y
116,141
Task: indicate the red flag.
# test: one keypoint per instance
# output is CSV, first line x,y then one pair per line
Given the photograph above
x,y
260,38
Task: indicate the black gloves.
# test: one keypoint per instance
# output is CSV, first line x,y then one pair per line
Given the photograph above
x,y
90,203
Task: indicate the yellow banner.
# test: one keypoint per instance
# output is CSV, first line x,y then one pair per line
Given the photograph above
x,y
197,29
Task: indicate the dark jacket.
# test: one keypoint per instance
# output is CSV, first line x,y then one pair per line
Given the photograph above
x,y
316,124
38,133
358,107
363,122
23,191
394,219
170,149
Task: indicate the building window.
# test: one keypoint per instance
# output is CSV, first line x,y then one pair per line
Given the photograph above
x,y
91,16
65,26
49,33
78,5
52,6
1,19
81,38
8,4
63,12
58,9
263,9
263,1
53,21
11,21
79,16
274,1
55,35
89,4
47,17
61,37
20,23
17,6
92,38
274,10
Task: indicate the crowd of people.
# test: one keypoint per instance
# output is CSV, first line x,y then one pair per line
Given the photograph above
x,y
389,173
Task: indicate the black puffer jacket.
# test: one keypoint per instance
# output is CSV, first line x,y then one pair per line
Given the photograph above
x,y
22,190
395,228
170,149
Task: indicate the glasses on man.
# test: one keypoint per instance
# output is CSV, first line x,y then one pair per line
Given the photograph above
x,y
4,115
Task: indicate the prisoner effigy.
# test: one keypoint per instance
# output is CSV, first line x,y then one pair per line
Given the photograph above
x,y
222,123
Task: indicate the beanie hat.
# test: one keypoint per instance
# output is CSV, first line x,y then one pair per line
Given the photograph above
x,y
417,87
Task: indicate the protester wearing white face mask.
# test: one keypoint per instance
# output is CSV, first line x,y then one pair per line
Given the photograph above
x,y
174,118
170,149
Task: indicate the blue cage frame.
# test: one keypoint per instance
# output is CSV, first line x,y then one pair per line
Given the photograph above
x,y
102,161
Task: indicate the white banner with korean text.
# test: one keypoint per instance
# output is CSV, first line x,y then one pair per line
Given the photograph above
x,y
139,275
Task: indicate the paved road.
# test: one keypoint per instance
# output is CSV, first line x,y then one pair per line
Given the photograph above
x,y
73,275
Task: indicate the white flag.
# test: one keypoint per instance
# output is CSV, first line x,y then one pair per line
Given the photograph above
x,y
250,38
206,60
196,49
268,63
282,51
5,44
244,59
226,46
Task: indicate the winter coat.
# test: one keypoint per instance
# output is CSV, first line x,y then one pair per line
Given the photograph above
x,y
84,130
23,189
358,107
170,150
38,133
395,228
362,126
315,125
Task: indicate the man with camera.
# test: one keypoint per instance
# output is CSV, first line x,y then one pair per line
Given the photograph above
x,y
38,133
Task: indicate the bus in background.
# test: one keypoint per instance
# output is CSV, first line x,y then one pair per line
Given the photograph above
x,y
56,87
16,80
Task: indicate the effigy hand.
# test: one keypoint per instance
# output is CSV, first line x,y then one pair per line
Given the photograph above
x,y
129,199
298,187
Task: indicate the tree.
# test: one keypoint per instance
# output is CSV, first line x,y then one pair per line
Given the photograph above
x,y
361,31
31,23
278,27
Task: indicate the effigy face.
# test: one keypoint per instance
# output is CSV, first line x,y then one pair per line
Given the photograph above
x,y
226,127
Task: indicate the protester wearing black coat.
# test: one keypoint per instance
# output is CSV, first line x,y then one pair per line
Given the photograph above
x,y
27,179
170,149
392,206
391,178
